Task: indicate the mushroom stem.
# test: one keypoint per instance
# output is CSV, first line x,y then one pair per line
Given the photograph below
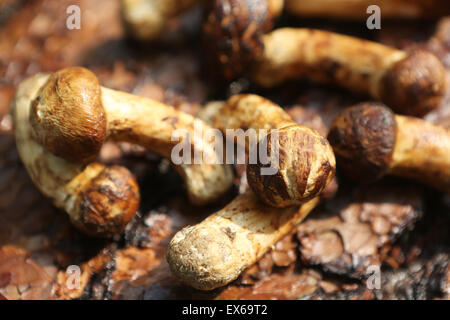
x,y
152,125
422,152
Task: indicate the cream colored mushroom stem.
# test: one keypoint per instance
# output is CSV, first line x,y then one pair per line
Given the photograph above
x,y
370,141
216,251
147,19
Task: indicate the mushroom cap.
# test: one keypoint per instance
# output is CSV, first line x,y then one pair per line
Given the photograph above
x,y
105,203
203,257
233,32
363,139
415,85
303,168
68,117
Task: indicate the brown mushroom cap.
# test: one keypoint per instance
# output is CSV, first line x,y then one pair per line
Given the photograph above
x,y
233,32
99,199
306,164
67,117
414,85
363,139
106,203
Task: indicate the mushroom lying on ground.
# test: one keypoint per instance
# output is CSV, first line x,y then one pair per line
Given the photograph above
x,y
215,252
371,141
62,121
305,163
410,82
99,199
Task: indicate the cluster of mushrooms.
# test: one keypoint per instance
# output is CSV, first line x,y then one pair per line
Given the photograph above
x,y
62,119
